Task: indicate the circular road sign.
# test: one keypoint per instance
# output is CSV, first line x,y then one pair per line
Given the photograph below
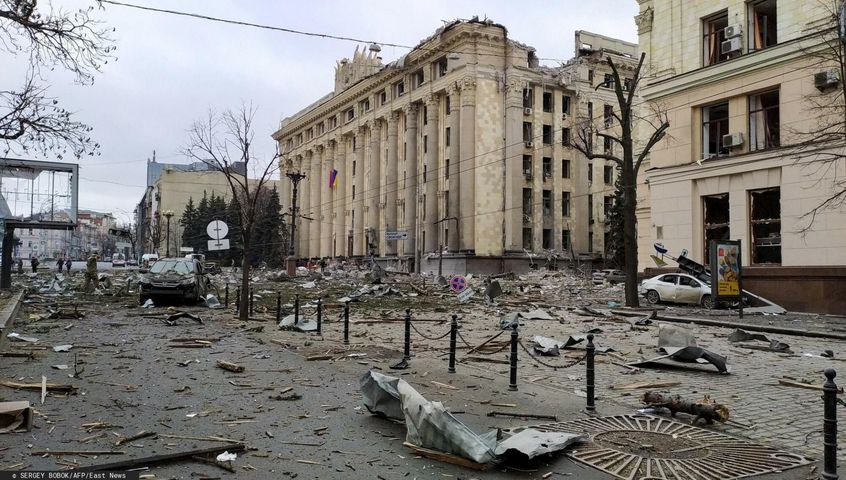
x,y
217,230
457,283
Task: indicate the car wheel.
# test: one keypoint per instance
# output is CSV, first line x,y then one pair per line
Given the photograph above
x,y
707,302
653,297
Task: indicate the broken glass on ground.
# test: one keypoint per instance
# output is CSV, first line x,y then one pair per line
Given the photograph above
x,y
741,337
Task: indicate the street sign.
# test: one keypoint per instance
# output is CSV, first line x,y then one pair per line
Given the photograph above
x,y
219,244
457,283
466,295
399,235
217,230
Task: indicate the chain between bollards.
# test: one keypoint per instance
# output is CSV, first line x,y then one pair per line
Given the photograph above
x,y
319,315
278,307
296,309
406,352
346,323
829,426
591,351
512,383
453,333
252,298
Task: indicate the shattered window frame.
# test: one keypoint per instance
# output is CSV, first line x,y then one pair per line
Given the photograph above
x,y
716,221
765,226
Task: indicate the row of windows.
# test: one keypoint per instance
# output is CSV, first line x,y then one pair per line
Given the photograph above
x,y
722,41
763,125
764,223
546,240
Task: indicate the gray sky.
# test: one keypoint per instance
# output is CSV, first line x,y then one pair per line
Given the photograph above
x,y
171,70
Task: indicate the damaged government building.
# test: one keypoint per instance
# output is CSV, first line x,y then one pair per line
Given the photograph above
x,y
461,147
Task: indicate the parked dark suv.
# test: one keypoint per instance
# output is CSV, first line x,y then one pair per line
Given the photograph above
x,y
177,278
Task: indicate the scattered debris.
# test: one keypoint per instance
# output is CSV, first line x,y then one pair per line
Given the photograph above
x,y
51,387
132,438
62,348
232,367
167,457
679,348
148,303
15,417
212,302
705,409
791,382
740,335
171,319
638,385
21,338
531,416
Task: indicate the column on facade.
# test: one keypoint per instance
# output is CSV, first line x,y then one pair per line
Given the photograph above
x,y
515,177
391,185
373,193
358,220
326,199
314,187
453,152
431,161
410,192
304,200
339,235
467,240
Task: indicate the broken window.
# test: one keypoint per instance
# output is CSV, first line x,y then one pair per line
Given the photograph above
x,y
399,88
608,81
627,84
383,97
762,24
763,120
565,168
527,206
547,167
565,204
715,124
350,114
528,98
565,136
417,79
527,131
547,134
527,238
608,204
547,202
547,238
441,67
608,174
607,146
547,102
565,240
716,220
765,225
565,104
608,115
713,35
527,166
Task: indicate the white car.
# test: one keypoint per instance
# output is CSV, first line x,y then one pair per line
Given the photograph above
x,y
676,288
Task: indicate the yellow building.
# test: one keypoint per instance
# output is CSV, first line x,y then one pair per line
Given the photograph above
x,y
739,81
463,145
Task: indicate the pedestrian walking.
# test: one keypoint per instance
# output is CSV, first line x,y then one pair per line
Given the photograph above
x,y
91,279
68,264
34,263
60,264
20,265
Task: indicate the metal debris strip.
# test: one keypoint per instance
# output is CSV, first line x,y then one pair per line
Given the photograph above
x,y
643,446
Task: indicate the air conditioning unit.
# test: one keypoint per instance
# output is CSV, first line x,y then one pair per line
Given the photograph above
x,y
825,79
527,110
732,31
530,145
733,140
731,45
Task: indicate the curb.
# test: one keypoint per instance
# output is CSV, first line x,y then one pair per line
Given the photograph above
x,y
10,310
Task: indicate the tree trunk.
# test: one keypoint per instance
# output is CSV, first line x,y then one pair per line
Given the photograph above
x,y
630,236
243,309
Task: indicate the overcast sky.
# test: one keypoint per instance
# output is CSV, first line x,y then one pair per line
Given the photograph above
x,y
170,70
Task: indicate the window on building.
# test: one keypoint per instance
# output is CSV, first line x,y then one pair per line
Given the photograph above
x,y
590,111
607,146
565,136
353,192
590,77
547,167
528,98
547,238
399,89
765,225
353,168
713,35
441,67
527,206
565,168
547,134
527,131
608,115
425,115
321,127
715,215
365,105
590,172
608,81
333,122
309,134
763,120
447,108
547,102
383,97
446,137
565,104
417,79
527,165
354,144
590,208
527,238
446,170
714,125
425,143
607,205
627,84
565,240
547,202
608,174
762,24
350,114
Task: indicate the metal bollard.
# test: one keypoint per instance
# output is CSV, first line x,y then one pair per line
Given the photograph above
x,y
829,426
296,309
453,333
512,384
251,301
237,299
406,352
278,306
346,323
226,298
319,315
590,350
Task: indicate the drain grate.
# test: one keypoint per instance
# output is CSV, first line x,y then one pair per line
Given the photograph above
x,y
640,447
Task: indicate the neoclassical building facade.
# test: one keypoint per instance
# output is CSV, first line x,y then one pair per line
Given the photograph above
x,y
462,146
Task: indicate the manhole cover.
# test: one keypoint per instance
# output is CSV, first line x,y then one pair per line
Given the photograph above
x,y
639,447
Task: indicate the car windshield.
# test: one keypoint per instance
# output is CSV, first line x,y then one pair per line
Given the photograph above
x,y
178,266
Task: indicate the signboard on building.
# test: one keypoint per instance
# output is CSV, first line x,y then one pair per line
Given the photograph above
x,y
399,235
726,270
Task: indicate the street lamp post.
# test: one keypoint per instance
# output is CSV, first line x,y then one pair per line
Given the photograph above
x,y
167,215
295,177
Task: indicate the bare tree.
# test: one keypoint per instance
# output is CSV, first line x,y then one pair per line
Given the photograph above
x,y
818,145
629,162
224,143
154,233
30,120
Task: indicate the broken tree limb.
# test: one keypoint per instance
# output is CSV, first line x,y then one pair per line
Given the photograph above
x,y
232,367
445,457
132,438
51,387
705,409
168,457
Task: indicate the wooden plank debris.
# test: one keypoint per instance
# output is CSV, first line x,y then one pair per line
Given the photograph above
x,y
232,367
445,457
167,457
637,385
793,383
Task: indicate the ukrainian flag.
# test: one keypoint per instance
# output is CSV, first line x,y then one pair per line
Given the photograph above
x,y
333,179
